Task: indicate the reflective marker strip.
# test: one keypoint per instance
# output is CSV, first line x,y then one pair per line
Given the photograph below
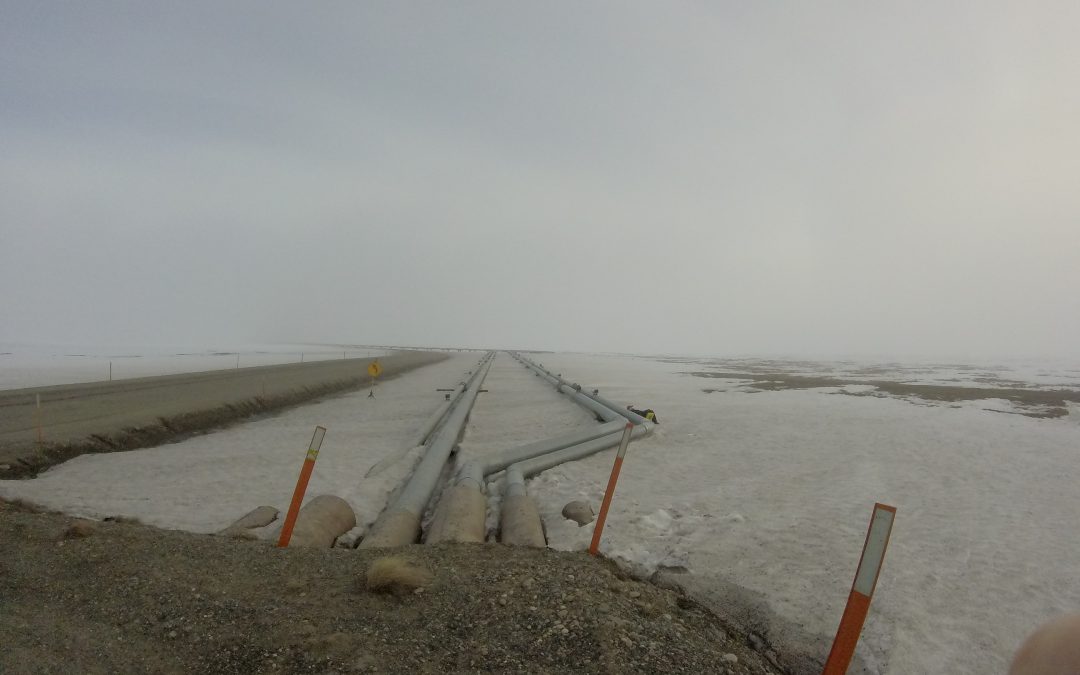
x,y
874,549
316,443
624,442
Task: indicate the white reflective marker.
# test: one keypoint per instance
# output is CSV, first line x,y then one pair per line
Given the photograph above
x,y
877,539
625,441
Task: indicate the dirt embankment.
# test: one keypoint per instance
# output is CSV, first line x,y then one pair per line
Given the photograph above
x,y
123,597
138,413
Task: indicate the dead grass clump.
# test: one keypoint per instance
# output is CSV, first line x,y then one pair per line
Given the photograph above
x,y
395,574
23,505
127,520
80,529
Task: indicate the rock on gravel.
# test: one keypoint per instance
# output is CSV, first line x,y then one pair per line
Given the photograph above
x,y
580,512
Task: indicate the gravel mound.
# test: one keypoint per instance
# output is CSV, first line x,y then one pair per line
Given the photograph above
x,y
130,598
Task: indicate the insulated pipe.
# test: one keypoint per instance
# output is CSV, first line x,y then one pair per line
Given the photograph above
x,y
422,436
625,412
461,513
321,521
399,525
559,380
594,401
520,524
531,467
515,482
607,414
459,516
519,521
473,473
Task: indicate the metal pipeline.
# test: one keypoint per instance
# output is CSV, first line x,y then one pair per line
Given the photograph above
x,y
559,381
421,437
371,484
474,472
589,400
520,522
602,411
625,412
424,433
460,514
399,524
531,467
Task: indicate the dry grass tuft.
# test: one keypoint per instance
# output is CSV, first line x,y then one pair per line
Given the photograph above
x,y
23,505
395,574
128,520
80,529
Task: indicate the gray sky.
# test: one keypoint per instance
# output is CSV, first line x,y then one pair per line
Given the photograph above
x,y
745,177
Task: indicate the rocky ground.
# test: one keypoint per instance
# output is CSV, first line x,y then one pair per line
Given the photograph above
x,y
77,596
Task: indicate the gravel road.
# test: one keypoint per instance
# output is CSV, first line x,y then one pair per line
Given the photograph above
x,y
147,411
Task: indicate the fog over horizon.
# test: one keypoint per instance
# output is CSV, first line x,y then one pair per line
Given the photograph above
x,y
734,178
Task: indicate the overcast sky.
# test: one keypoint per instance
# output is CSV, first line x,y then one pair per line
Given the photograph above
x,y
721,178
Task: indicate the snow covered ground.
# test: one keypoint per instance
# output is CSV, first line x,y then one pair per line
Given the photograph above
x,y
771,491
1008,373
37,365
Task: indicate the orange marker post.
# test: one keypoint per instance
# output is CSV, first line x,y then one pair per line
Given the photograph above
x,y
598,529
862,590
301,486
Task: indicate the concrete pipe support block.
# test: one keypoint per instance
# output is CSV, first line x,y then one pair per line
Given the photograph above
x,y
391,530
321,521
521,524
460,516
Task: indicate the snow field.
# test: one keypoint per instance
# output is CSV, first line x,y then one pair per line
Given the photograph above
x,y
773,491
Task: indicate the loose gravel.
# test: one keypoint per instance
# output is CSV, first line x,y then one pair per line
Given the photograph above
x,y
123,597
